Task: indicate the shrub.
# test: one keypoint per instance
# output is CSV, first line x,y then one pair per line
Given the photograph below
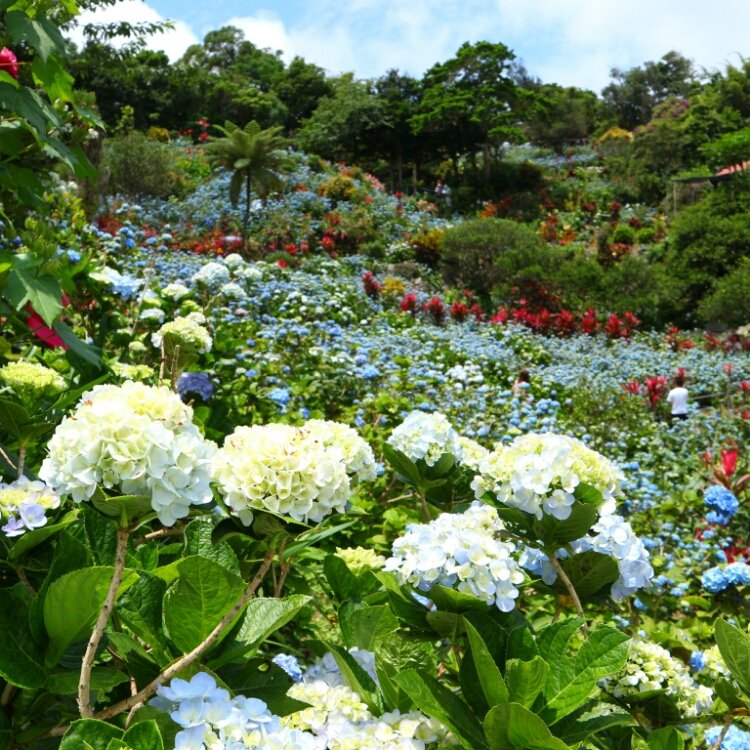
x,y
729,302
646,236
158,134
623,235
139,166
426,247
489,255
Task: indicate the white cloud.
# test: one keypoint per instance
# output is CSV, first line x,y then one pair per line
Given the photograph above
x,y
174,42
265,31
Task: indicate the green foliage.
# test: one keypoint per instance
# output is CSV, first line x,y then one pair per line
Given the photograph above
x,y
486,254
137,165
728,303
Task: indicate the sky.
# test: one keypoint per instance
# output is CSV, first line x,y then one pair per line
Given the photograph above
x,y
569,42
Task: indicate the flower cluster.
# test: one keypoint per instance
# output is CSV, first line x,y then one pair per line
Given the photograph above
x,y
198,383
719,579
186,332
473,453
211,276
652,667
460,551
711,664
291,471
23,505
134,439
427,437
209,717
722,502
361,559
539,473
734,739
32,380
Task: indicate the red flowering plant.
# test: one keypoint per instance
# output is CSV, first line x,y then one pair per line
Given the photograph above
x,y
371,285
725,470
409,304
9,62
435,310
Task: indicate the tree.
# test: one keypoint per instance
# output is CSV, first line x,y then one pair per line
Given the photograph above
x,y
300,89
469,101
635,92
256,158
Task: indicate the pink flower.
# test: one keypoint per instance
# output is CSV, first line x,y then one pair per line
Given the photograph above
x,y
8,62
729,461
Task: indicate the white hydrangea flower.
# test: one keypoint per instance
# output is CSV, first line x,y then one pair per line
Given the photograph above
x,y
427,437
353,451
652,667
134,439
714,666
613,536
474,453
186,332
283,470
152,313
460,551
212,276
31,379
538,473
325,699
361,559
175,291
23,505
459,376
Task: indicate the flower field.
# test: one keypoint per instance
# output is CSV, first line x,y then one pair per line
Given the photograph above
x,y
301,499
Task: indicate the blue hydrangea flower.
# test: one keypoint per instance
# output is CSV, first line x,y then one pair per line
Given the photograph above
x,y
195,382
722,502
289,664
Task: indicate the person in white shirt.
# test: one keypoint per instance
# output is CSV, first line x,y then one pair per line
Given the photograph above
x,y
677,398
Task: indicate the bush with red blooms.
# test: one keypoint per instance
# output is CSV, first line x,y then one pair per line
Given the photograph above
x,y
409,304
459,311
435,310
371,285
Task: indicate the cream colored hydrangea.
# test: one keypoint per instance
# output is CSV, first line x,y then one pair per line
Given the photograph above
x,y
539,473
175,291
186,332
652,667
361,559
32,380
23,505
132,372
324,700
426,437
283,470
132,439
355,453
474,453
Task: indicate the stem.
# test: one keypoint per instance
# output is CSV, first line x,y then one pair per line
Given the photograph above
x,y
186,660
21,460
283,570
84,683
174,370
426,515
21,573
7,460
7,695
571,590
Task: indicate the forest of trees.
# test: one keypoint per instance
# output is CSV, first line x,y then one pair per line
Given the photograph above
x,y
654,121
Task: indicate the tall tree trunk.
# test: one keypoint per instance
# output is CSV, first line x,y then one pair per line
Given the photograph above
x,y
246,217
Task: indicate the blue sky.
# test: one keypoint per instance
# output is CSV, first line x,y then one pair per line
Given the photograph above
x,y
571,42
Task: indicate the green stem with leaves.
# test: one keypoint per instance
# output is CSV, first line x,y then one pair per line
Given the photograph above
x,y
571,589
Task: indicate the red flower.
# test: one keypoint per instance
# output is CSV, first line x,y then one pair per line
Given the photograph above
x,y
729,461
409,303
281,263
633,387
8,62
459,312
589,323
371,285
436,310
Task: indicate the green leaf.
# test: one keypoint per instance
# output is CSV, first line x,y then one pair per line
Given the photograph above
x,y
32,539
21,659
552,641
393,655
126,508
262,618
357,678
525,680
86,352
140,608
586,493
448,600
521,644
199,541
590,572
554,533
580,725
72,605
734,646
435,700
13,417
144,735
39,32
571,680
311,537
89,734
367,625
405,468
202,594
102,678
488,672
344,583
41,290
667,738
510,725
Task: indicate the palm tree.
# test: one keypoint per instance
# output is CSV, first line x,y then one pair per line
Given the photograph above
x,y
257,158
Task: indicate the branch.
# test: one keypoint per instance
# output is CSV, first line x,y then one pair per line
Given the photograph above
x,y
571,590
84,683
186,660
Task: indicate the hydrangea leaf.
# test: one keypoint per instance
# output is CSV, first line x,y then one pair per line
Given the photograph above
x,y
510,725
734,646
21,659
